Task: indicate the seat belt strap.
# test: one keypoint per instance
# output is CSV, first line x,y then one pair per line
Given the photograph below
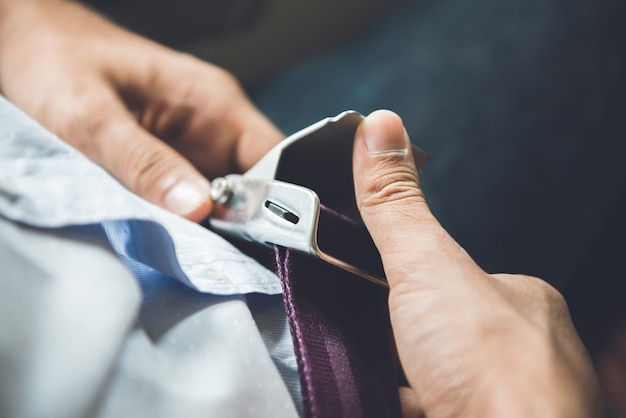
x,y
342,339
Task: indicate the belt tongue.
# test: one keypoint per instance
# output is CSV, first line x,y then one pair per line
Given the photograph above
x,y
277,202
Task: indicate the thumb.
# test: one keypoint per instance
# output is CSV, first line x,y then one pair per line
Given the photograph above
x,y
412,244
148,167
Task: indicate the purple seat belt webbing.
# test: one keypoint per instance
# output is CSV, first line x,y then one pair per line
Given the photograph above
x,y
339,326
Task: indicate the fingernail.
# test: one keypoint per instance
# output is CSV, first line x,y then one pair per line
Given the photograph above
x,y
186,196
382,137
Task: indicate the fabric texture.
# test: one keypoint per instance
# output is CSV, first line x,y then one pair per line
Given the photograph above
x,y
342,338
113,307
46,183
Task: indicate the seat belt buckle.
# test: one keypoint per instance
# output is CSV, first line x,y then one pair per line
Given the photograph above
x,y
300,196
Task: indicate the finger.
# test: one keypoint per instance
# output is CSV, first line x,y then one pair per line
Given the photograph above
x,y
412,244
257,136
254,134
214,124
144,164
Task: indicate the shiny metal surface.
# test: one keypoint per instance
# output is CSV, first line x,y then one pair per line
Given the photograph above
x,y
269,212
277,202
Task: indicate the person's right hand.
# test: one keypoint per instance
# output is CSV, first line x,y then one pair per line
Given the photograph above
x,y
157,120
470,343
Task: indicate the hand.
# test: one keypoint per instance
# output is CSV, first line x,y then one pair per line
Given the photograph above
x,y
156,119
470,343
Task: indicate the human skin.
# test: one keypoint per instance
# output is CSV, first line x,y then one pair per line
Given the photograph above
x,y
160,121
470,343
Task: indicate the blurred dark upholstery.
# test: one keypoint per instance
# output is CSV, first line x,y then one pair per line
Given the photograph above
x,y
179,22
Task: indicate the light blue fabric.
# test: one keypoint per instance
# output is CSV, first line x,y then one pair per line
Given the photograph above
x,y
190,347
45,183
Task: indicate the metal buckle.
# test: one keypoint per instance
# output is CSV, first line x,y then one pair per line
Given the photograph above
x,y
277,202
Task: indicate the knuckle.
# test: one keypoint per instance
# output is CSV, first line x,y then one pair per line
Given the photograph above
x,y
395,184
213,87
556,303
224,77
552,296
550,300
213,74
144,165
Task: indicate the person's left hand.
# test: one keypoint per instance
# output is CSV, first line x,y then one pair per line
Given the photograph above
x,y
157,120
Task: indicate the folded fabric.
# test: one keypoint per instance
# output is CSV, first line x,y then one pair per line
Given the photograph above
x,y
46,183
209,336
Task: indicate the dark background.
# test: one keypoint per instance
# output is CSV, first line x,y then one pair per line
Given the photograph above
x,y
521,105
